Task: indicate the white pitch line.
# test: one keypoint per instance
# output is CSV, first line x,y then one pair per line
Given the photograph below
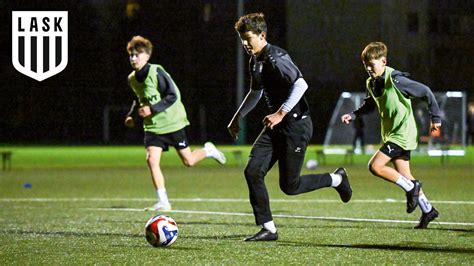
x,y
347,219
388,200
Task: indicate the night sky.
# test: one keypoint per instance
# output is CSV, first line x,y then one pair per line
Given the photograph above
x,y
194,41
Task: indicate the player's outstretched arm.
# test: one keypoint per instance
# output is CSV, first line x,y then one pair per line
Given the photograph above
x,y
249,102
415,89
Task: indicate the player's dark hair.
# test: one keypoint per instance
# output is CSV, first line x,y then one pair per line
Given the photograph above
x,y
254,22
374,50
140,44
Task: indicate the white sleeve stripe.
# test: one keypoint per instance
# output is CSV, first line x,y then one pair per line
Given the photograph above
x,y
296,92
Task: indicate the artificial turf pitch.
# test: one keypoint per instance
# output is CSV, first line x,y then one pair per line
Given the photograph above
x,y
83,205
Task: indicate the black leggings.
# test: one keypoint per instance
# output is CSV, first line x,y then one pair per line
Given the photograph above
x,y
286,144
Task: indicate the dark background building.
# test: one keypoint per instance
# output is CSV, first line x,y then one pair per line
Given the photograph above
x,y
195,41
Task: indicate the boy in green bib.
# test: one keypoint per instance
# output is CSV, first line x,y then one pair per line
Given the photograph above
x,y
390,92
164,117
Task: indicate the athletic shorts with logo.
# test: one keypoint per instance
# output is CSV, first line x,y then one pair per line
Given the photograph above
x,y
176,139
394,151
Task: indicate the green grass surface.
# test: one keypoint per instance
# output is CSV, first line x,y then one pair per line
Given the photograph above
x,y
84,207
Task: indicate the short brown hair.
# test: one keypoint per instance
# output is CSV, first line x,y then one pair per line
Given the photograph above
x,y
140,44
374,50
254,22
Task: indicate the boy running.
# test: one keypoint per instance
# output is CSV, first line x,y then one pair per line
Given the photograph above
x,y
391,91
164,117
287,129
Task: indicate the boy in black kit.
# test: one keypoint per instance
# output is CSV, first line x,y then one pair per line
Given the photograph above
x,y
287,129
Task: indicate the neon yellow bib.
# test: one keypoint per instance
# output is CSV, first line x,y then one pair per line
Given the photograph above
x,y
397,121
172,118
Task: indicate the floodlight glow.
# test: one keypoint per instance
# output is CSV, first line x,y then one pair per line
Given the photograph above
x,y
446,152
454,94
346,95
335,151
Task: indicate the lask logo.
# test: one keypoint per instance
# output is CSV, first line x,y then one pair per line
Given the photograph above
x,y
39,43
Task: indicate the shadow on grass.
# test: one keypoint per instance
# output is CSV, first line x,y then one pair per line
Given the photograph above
x,y
91,234
363,225
167,249
325,225
399,247
216,237
180,222
217,223
181,248
67,233
454,230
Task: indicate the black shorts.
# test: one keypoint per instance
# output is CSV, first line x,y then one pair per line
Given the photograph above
x,y
394,151
176,139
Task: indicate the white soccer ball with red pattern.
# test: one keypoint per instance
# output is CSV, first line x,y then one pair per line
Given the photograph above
x,y
161,231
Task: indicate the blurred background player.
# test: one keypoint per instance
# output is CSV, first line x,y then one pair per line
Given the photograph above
x,y
358,143
164,117
390,90
470,124
287,129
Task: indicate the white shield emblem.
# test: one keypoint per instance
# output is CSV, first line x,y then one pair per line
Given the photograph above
x,y
39,43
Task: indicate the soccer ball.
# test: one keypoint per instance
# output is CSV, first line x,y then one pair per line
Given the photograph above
x,y
161,231
311,164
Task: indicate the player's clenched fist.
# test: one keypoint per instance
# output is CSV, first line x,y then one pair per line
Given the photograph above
x,y
144,111
234,128
129,122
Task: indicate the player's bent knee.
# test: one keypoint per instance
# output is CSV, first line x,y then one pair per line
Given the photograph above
x,y
371,169
189,163
152,161
289,190
251,172
374,169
